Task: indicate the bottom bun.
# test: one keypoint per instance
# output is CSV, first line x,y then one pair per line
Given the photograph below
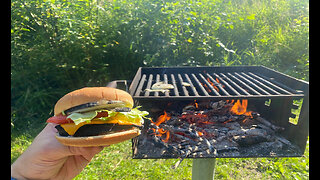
x,y
100,140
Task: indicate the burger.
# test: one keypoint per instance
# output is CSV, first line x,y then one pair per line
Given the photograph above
x,y
96,116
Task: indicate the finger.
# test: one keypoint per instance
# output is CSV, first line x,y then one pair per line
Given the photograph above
x,y
86,152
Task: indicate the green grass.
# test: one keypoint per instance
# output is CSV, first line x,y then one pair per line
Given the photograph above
x,y
115,162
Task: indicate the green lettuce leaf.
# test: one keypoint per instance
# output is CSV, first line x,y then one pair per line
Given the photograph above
x,y
78,118
132,116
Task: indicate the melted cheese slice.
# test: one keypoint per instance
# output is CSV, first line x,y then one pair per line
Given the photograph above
x,y
71,128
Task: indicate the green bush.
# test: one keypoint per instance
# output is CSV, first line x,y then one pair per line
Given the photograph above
x,y
58,46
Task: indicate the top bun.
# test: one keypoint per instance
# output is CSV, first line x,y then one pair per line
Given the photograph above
x,y
91,94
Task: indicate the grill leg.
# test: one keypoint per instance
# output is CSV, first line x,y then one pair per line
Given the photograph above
x,y
203,168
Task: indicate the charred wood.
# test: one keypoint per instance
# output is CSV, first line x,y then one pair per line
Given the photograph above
x,y
248,140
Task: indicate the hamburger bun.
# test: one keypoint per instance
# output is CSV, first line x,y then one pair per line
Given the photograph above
x,y
100,140
91,94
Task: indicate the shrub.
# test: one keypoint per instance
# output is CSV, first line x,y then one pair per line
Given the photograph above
x,y
59,46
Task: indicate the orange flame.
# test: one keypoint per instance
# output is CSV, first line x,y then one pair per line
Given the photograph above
x,y
241,108
167,138
162,118
161,131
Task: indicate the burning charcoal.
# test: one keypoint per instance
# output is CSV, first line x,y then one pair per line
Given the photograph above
x,y
189,108
206,129
188,132
283,140
228,149
236,132
205,153
247,140
157,142
268,129
256,132
210,147
183,138
219,105
175,121
153,126
211,130
226,145
213,141
214,105
150,131
233,125
221,138
263,149
223,129
267,123
218,119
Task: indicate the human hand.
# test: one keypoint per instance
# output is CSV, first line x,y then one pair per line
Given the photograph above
x,y
46,158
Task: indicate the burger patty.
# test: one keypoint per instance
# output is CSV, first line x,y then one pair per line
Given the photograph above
x,y
95,129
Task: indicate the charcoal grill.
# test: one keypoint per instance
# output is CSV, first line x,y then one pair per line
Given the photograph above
x,y
269,92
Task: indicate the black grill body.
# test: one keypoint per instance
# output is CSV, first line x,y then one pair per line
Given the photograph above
x,y
269,92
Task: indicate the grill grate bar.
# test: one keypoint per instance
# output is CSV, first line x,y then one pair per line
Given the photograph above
x,y
244,84
165,79
156,94
194,90
149,85
199,84
209,85
235,84
226,84
261,84
218,85
143,79
185,91
252,84
273,83
174,83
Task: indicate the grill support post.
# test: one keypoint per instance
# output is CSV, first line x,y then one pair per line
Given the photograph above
x,y
203,168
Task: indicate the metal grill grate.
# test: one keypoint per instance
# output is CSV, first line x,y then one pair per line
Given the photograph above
x,y
222,82
258,84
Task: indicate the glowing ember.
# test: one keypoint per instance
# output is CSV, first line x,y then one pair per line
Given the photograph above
x,y
201,119
212,84
196,104
208,129
200,133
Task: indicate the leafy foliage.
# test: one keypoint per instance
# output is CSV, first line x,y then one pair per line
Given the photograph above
x,y
59,45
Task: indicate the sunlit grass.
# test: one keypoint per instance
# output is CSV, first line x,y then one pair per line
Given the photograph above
x,y
115,162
